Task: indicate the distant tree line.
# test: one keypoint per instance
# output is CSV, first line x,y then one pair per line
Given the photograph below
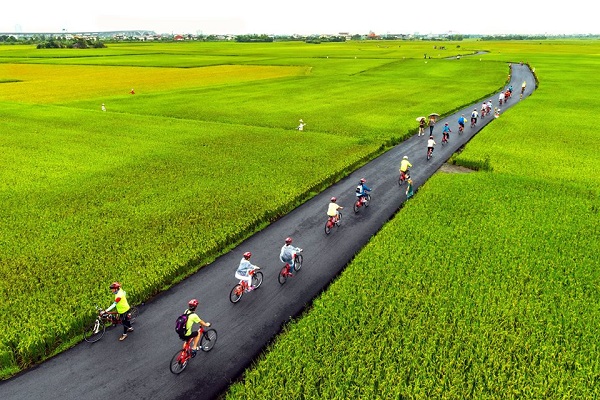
x,y
253,38
79,43
515,37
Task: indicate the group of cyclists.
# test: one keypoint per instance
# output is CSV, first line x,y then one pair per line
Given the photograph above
x,y
288,251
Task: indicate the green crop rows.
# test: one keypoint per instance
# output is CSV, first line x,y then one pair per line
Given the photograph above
x,y
485,285
156,187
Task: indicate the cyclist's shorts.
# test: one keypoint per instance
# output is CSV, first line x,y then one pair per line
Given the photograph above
x,y
185,338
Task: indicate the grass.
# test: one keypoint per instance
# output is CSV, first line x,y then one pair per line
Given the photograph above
x,y
90,197
495,297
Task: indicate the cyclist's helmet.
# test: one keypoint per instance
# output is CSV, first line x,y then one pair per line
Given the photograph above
x,y
288,240
405,157
247,255
362,180
431,137
333,199
115,285
446,123
193,303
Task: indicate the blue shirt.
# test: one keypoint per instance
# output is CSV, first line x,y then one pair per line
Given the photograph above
x,y
245,267
363,188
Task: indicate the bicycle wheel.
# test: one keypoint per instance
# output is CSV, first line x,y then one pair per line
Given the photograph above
x,y
328,228
236,293
298,262
95,331
257,279
367,200
356,206
208,340
133,313
178,362
282,277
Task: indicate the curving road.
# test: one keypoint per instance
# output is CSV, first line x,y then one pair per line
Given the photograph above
x,y
138,367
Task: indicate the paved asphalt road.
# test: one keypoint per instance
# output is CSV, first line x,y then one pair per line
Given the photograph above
x,y
138,367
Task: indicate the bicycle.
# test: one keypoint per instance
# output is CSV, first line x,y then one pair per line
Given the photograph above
x,y
404,175
331,222
238,290
429,153
362,201
461,128
182,357
285,270
96,331
444,138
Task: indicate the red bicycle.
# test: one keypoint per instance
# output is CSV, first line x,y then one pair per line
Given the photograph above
x,y
461,128
285,271
445,136
238,290
182,357
429,153
104,319
404,176
362,201
331,222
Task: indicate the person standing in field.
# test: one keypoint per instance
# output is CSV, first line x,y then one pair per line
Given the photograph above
x,y
132,91
103,107
431,124
301,125
422,123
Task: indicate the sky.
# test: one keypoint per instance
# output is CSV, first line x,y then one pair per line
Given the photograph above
x,y
305,17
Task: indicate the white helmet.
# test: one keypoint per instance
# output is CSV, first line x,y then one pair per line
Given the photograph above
x,y
405,158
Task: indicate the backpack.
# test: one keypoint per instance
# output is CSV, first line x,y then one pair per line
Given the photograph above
x,y
359,189
181,324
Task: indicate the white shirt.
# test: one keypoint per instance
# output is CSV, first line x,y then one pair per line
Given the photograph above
x,y
430,143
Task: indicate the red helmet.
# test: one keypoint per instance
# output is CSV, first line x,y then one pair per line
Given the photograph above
x,y
362,180
247,255
288,240
193,303
334,199
115,285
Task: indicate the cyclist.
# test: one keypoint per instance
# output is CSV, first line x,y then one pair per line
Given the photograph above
x,y
192,319
446,133
122,307
288,253
461,123
483,108
404,166
474,116
501,98
362,189
489,106
430,144
333,209
243,271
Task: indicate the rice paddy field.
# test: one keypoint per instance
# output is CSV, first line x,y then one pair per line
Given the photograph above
x,y
495,297
135,193
485,285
